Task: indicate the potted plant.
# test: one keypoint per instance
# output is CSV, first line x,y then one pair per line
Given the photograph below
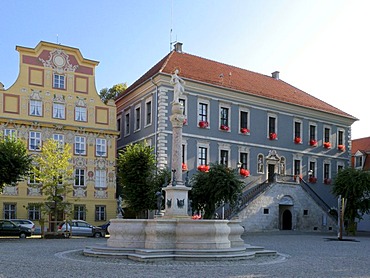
x,y
312,179
224,127
273,136
203,124
184,167
244,130
342,148
244,172
327,181
313,143
327,145
203,168
297,140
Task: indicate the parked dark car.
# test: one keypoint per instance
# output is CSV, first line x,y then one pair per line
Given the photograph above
x,y
105,227
9,228
80,228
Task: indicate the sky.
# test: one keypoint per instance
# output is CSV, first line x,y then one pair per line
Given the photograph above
x,y
319,46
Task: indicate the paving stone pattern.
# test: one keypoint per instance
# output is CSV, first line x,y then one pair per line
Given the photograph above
x,y
302,255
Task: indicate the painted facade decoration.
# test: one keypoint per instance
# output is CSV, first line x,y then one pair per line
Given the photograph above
x,y
55,97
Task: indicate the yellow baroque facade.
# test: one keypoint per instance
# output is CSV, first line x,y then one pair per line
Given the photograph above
x,y
55,97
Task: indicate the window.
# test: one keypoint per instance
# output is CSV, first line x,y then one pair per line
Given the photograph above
x,y
244,121
312,168
35,107
79,212
127,123
326,134
340,167
202,156
272,125
59,111
297,129
224,116
340,137
312,132
183,160
60,140
148,112
137,118
101,147
224,157
326,171
244,160
34,212
12,133
305,212
101,178
32,178
297,167
119,124
9,211
358,161
34,141
80,177
202,112
266,211
80,145
80,114
58,81
99,213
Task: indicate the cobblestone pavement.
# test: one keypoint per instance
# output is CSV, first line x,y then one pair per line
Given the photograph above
x,y
304,255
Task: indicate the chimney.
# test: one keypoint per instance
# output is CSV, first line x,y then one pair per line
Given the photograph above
x,y
178,47
275,75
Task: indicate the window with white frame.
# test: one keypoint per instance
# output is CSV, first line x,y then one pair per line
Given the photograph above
x,y
34,141
79,212
326,134
59,111
58,81
35,107
340,166
34,211
312,168
10,211
297,167
100,178
80,145
340,137
271,124
127,123
59,138
137,118
148,112
326,170
203,111
297,129
244,121
100,213
312,132
79,177
80,114
243,159
224,117
359,161
224,154
202,155
101,147
32,177
11,133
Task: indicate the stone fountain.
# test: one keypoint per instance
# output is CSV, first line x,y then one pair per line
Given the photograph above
x,y
175,236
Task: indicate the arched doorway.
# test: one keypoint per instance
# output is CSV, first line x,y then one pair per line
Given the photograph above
x,y
287,220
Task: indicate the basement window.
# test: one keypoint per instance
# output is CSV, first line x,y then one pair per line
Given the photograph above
x,y
305,212
266,211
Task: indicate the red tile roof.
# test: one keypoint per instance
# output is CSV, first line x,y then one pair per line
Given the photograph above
x,y
207,71
362,144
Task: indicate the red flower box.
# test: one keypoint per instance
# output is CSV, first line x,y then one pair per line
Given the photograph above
x,y
244,172
313,143
273,136
184,166
203,168
244,130
224,127
297,140
327,145
203,124
327,181
312,179
342,148
196,217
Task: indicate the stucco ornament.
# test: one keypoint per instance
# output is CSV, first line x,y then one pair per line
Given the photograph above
x,y
59,62
178,85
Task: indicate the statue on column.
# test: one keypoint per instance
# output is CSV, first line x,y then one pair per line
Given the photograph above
x,y
178,85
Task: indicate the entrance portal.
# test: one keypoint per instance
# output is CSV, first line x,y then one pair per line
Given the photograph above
x,y
271,172
287,220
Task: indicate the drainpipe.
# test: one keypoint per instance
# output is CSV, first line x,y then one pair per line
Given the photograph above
x,y
155,119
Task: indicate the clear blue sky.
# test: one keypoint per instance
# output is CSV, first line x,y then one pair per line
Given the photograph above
x,y
319,46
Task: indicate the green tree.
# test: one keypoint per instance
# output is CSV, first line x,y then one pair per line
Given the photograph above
x,y
209,189
136,165
354,186
53,169
111,93
15,162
